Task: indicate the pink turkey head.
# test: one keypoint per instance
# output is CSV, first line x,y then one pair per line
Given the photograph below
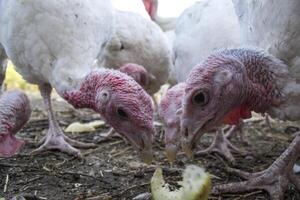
x,y
122,102
213,90
168,108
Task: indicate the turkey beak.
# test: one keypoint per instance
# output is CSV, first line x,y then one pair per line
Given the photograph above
x,y
142,143
172,141
152,78
171,152
190,136
146,151
187,148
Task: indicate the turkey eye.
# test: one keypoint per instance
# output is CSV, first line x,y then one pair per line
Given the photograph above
x,y
200,98
121,113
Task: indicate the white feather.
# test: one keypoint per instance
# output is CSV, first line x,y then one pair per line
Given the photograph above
x,y
205,27
274,25
143,43
54,41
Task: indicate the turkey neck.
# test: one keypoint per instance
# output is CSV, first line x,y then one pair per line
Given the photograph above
x,y
262,91
85,96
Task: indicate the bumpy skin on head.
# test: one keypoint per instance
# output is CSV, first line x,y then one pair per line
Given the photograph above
x,y
226,88
168,108
122,102
15,111
138,73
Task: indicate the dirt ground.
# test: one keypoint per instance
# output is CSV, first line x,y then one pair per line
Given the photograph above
x,y
113,170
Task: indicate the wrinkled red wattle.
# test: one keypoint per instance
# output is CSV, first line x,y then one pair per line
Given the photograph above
x,y
241,112
9,145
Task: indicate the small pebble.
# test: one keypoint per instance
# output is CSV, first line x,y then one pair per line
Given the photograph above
x,y
296,169
249,157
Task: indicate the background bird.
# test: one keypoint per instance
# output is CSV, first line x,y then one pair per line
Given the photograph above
x,y
166,23
139,41
138,73
168,107
48,45
15,111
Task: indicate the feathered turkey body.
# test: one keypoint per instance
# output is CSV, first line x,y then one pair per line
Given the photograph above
x,y
281,38
203,28
140,41
55,44
54,56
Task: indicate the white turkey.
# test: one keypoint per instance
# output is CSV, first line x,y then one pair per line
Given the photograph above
x,y
261,26
54,44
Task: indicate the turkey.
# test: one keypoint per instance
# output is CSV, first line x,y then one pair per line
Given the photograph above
x,y
15,111
167,109
194,41
280,36
55,44
140,41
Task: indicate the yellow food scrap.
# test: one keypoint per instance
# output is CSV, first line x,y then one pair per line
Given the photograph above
x,y
78,127
196,185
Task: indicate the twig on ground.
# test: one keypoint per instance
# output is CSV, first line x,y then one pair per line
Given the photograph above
x,y
6,183
133,187
120,152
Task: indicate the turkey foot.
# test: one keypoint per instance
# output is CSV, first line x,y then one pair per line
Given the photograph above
x,y
55,138
275,180
112,133
268,121
222,146
238,131
57,142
